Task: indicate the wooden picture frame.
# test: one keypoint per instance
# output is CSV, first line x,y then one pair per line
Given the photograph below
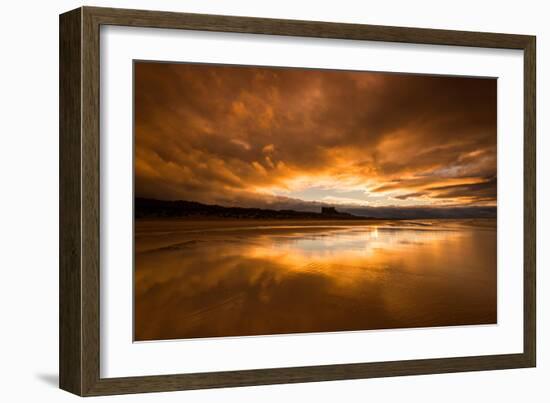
x,y
79,346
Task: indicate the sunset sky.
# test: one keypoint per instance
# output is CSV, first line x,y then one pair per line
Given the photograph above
x,y
293,138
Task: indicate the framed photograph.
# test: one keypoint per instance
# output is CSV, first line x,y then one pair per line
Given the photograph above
x,y
249,201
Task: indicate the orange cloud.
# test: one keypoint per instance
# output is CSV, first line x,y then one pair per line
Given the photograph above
x,y
263,136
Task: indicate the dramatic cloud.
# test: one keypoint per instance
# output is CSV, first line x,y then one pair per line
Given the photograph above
x,y
292,138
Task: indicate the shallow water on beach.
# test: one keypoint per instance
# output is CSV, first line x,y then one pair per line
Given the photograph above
x,y
236,278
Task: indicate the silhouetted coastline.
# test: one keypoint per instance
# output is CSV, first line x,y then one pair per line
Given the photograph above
x,y
153,208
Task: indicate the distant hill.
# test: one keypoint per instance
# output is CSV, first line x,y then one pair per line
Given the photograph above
x,y
423,212
149,208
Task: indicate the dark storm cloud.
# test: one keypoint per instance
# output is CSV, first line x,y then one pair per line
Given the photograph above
x,y
247,135
485,190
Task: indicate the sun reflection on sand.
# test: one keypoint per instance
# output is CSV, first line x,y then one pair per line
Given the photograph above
x,y
341,246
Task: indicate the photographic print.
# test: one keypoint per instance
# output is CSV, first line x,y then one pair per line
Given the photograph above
x,y
276,200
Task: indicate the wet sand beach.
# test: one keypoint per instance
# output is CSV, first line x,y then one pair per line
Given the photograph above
x,y
218,278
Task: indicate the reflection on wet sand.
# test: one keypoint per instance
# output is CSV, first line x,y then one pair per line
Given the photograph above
x,y
237,278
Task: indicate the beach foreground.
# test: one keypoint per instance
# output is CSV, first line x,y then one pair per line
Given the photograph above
x,y
217,278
